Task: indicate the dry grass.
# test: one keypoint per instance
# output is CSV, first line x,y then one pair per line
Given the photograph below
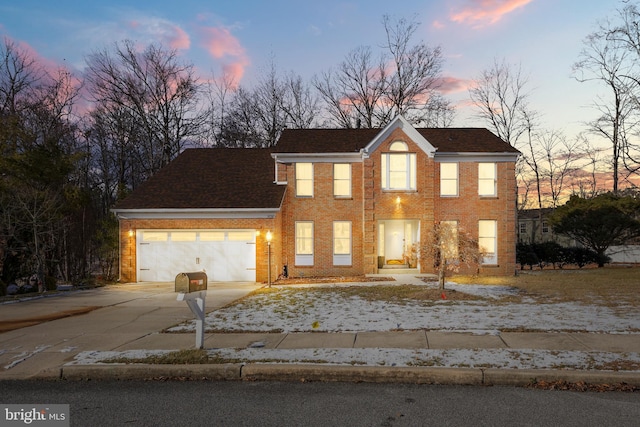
x,y
398,294
609,286
180,357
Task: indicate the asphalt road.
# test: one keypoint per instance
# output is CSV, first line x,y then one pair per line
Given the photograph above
x,y
206,403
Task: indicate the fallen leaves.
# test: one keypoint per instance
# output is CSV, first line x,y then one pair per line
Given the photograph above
x,y
581,386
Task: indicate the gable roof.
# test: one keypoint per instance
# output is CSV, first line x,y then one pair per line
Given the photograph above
x,y
444,140
400,122
210,178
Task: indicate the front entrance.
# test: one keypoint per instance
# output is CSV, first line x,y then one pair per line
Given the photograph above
x,y
398,242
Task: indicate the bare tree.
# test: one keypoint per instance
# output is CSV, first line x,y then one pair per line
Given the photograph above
x,y
561,157
605,57
501,96
368,90
159,93
585,182
449,247
300,103
220,93
414,80
353,92
256,116
38,163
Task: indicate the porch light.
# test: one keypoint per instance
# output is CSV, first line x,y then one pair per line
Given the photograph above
x,y
131,233
398,200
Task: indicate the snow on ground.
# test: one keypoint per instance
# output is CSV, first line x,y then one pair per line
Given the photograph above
x,y
288,310
450,358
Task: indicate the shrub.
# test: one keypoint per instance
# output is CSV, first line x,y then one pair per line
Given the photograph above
x,y
50,283
551,253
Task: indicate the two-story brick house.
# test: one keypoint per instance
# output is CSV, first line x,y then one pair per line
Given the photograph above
x,y
322,202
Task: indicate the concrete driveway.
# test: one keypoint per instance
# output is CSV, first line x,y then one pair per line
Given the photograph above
x,y
107,318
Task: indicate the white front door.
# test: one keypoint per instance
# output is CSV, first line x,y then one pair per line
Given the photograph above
x,y
395,238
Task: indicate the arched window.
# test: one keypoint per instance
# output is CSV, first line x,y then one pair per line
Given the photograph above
x,y
398,146
398,168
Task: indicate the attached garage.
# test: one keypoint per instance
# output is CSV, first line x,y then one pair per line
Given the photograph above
x,y
209,209
225,255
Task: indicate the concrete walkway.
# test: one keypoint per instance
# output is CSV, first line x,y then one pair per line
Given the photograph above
x,y
115,316
564,341
133,316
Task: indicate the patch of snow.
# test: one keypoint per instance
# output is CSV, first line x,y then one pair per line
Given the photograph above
x,y
288,310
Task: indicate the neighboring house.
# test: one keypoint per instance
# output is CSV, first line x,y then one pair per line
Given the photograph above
x,y
534,227
333,201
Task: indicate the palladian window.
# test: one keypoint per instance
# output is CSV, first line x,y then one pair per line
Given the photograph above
x,y
398,168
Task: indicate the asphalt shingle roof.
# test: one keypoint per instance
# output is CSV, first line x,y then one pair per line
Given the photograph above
x,y
211,178
446,140
228,178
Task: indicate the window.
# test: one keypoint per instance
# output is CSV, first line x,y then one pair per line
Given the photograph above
x,y
487,179
342,243
304,243
545,227
211,236
304,179
449,239
183,236
523,228
448,179
241,236
342,180
487,240
155,236
398,168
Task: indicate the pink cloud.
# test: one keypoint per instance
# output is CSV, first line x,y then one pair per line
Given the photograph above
x,y
223,46
479,13
450,84
49,71
166,32
179,39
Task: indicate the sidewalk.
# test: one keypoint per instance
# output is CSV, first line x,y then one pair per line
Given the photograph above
x,y
131,317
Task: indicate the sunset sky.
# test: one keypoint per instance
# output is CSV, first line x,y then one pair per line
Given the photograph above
x,y
242,36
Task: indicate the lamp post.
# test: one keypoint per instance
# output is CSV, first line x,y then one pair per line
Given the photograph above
x,y
269,236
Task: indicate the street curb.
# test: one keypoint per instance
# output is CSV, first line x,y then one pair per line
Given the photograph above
x,y
341,373
522,377
376,374
227,371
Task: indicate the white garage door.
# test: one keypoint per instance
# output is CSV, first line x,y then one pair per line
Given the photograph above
x,y
225,255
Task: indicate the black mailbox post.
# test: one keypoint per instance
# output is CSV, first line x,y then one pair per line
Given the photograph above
x,y
191,282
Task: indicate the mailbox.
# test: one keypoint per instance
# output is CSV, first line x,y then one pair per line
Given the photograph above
x,y
191,282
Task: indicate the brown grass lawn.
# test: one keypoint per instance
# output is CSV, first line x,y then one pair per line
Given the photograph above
x,y
610,286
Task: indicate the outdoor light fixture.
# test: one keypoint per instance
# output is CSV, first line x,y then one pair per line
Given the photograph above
x,y
398,200
269,237
130,233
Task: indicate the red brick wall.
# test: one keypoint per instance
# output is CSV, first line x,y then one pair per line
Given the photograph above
x,y
383,204
368,205
323,208
468,208
371,204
